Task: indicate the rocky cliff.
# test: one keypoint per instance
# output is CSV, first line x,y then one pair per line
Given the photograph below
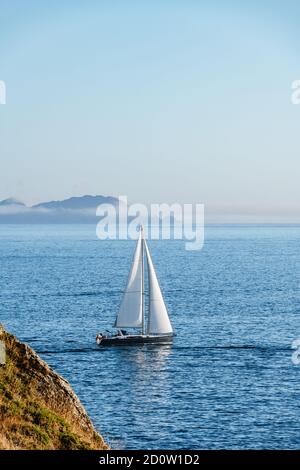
x,y
38,408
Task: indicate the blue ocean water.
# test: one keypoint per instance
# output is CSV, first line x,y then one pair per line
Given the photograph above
x,y
228,380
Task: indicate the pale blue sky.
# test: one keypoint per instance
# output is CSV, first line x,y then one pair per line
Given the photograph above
x,y
184,101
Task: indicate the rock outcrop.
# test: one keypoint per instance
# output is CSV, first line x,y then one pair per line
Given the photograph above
x,y
38,408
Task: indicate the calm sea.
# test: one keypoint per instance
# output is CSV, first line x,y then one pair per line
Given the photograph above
x,y
228,380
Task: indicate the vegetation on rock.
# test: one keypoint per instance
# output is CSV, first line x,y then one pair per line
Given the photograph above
x,y
38,408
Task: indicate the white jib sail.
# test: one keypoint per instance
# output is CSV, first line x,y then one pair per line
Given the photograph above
x,y
158,320
131,311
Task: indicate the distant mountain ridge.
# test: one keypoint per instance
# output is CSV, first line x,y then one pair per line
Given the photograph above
x,y
81,209
12,202
81,202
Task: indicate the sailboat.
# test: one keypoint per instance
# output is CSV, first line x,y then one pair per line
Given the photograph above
x,y
155,327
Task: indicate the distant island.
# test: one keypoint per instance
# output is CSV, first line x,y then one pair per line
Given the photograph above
x,y
38,408
68,211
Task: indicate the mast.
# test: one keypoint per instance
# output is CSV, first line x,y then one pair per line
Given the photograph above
x,y
145,248
149,293
143,290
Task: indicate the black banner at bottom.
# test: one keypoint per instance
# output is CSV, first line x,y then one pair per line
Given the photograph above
x,y
134,459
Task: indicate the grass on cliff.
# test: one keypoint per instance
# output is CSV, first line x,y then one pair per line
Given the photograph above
x,y
26,420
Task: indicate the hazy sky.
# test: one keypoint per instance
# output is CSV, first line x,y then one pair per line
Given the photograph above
x,y
169,101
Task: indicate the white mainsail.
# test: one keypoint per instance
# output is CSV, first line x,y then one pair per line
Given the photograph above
x,y
158,320
131,310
